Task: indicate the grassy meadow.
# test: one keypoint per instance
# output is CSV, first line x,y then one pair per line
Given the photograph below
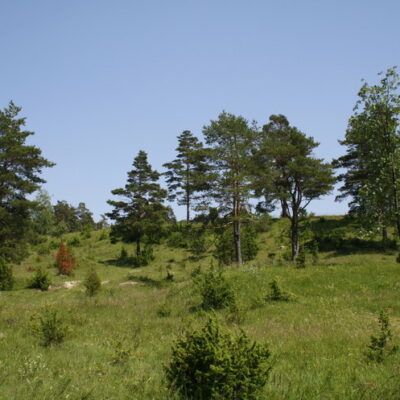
x,y
119,340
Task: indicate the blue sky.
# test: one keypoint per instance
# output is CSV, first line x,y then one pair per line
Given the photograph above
x,y
100,80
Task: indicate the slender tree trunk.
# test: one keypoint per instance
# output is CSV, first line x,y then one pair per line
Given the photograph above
x,y
295,235
284,207
396,197
384,237
187,194
236,227
138,251
236,239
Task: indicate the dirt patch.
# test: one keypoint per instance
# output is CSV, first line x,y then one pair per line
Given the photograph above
x,y
129,283
70,284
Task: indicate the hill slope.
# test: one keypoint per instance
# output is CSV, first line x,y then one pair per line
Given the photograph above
x,y
119,340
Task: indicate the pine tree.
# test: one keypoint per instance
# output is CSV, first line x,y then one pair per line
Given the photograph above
x,y
290,172
65,260
231,142
186,175
20,167
141,214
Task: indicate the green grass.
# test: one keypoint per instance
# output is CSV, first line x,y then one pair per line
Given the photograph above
x,y
119,340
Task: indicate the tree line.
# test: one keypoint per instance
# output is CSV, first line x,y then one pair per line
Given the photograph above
x,y
236,165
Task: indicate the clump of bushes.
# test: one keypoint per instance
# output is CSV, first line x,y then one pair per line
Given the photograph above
x,y
224,251
277,293
49,326
380,347
65,260
215,290
6,276
212,363
301,258
92,283
40,280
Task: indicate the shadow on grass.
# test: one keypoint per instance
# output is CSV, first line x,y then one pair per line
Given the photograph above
x,y
128,262
342,237
150,281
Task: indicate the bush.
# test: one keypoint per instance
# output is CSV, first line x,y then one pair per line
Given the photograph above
x,y
6,276
75,242
249,243
41,280
65,261
92,283
224,247
123,255
215,291
379,347
177,239
277,293
144,258
214,364
301,258
49,327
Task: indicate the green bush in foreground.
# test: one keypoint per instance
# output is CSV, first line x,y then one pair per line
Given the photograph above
x,y
214,364
49,327
6,276
41,280
277,293
380,348
92,283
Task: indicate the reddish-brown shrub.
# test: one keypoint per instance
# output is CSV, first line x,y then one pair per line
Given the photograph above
x,y
65,261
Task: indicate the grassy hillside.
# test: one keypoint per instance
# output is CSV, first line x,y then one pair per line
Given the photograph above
x,y
119,340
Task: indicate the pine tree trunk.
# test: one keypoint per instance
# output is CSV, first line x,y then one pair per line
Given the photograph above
x,y
284,208
236,239
236,227
138,246
384,238
295,235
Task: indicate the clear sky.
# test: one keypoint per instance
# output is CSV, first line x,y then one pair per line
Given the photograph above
x,y
99,80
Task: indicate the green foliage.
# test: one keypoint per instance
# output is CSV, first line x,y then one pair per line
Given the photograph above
x,y
49,326
141,214
186,175
74,242
284,156
6,276
43,218
215,290
40,280
92,283
249,243
214,364
232,141
380,347
301,258
123,255
20,167
224,250
145,257
277,293
398,258
373,154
